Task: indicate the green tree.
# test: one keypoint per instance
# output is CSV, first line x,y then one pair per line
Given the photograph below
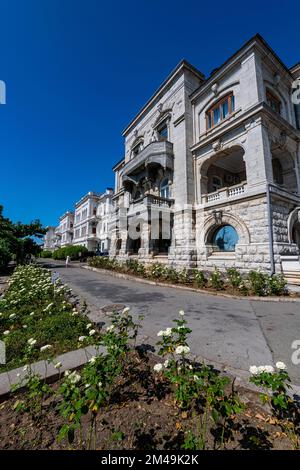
x,y
17,240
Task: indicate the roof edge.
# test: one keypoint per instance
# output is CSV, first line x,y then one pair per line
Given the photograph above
x,y
181,65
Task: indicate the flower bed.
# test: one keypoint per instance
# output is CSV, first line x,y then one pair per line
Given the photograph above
x,y
37,319
126,399
255,283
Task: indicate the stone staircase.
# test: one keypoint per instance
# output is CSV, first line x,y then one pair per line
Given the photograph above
x,y
291,269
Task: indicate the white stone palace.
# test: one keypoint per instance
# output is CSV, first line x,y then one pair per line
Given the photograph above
x,y
218,158
91,221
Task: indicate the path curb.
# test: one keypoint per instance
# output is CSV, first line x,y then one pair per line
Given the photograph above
x,y
70,360
130,277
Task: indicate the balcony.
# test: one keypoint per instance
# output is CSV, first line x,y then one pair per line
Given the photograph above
x,y
156,153
225,194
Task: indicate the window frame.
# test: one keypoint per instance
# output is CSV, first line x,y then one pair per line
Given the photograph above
x,y
163,125
209,115
271,97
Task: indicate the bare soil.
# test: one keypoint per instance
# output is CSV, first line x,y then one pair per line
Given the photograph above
x,y
141,415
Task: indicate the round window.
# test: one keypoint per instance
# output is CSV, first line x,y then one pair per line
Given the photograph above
x,y
225,238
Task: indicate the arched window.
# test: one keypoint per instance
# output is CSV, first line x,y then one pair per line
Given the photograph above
x,y
165,188
225,238
220,111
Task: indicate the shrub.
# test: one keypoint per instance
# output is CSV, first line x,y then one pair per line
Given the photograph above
x,y
184,276
46,254
200,278
72,251
277,285
171,274
258,282
216,280
156,270
234,277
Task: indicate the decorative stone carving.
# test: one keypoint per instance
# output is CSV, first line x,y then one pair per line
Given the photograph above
x,y
217,214
217,145
282,141
215,89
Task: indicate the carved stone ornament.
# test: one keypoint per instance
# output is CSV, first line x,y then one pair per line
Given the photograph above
x,y
217,216
282,141
215,89
217,145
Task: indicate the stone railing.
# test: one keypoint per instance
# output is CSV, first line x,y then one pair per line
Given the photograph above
x,y
225,193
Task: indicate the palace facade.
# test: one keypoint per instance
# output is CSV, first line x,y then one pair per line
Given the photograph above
x,y
210,174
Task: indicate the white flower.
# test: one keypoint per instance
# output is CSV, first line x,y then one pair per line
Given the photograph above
x,y
81,338
31,342
126,310
92,332
166,363
25,326
253,370
110,328
99,384
58,365
31,314
160,333
158,367
181,312
182,350
88,326
67,373
74,377
12,315
196,378
26,367
87,385
261,369
93,360
168,332
190,367
6,332
46,347
280,365
269,369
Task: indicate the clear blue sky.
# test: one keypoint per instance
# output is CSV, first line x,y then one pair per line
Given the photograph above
x,y
77,71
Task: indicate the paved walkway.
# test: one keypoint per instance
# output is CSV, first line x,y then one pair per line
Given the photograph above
x,y
232,333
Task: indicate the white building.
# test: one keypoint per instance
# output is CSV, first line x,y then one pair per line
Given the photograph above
x,y
64,232
91,221
104,211
218,157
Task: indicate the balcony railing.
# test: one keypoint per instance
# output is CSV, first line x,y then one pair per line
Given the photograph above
x,y
160,153
225,193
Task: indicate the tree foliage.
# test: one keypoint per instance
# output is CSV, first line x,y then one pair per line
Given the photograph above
x,y
16,240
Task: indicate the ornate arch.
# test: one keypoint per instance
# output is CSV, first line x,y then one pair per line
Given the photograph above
x,y
219,218
292,219
205,163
